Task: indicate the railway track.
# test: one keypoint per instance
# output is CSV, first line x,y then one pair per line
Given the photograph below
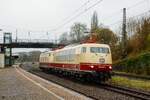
x,y
95,87
38,74
127,91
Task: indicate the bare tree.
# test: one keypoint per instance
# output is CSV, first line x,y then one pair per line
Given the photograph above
x,y
77,32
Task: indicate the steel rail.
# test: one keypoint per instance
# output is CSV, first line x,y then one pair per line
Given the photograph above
x,y
127,91
40,75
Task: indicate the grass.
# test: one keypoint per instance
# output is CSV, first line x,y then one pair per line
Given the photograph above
x,y
133,83
132,74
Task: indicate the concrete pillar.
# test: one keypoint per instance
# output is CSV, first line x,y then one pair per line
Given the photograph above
x,y
2,60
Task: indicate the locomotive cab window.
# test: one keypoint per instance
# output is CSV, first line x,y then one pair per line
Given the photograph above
x,y
99,50
83,50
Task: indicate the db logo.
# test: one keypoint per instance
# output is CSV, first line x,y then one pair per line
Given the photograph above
x,y
102,60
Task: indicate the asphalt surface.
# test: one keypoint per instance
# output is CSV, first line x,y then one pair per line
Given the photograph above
x,y
16,84
15,87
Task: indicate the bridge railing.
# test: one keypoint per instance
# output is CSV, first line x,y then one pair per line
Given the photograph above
x,y
33,41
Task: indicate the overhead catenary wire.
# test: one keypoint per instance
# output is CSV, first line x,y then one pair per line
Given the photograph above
x,y
73,18
77,10
136,4
65,19
139,15
120,21
120,11
128,8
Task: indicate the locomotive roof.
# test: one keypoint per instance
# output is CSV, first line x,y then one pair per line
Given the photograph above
x,y
85,44
74,46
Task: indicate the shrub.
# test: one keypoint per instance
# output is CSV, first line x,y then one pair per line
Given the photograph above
x,y
138,65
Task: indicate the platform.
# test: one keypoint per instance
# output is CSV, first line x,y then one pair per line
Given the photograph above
x,y
17,84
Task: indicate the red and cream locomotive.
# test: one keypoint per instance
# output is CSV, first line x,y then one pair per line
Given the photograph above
x,y
88,60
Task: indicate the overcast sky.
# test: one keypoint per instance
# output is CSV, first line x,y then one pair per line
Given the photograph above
x,y
41,16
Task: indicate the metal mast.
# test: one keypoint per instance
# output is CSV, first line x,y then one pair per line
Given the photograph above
x,y
124,35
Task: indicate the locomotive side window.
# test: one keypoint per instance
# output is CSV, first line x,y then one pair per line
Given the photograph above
x,y
99,50
83,50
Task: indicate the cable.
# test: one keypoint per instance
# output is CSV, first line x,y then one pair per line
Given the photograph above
x,y
139,14
74,17
78,9
138,3
119,21
74,12
120,11
78,15
90,8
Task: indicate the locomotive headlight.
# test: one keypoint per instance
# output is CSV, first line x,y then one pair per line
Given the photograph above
x,y
92,66
110,67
